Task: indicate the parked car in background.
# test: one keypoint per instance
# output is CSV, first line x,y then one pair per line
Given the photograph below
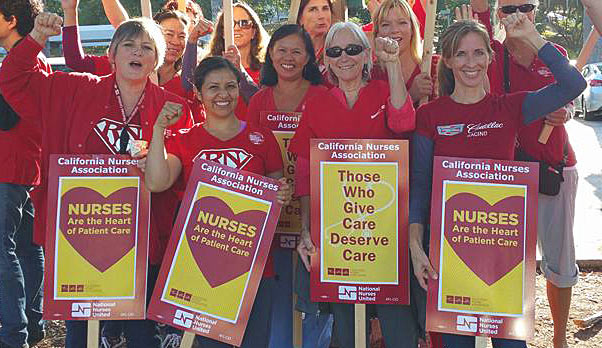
x,y
589,103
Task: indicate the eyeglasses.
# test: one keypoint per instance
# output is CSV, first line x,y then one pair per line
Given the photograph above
x,y
244,23
524,8
351,50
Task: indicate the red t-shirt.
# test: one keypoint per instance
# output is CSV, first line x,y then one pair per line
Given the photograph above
x,y
263,100
486,129
327,116
108,129
536,76
239,152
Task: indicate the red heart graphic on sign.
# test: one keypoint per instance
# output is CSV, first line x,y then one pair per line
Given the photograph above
x,y
224,261
493,254
96,226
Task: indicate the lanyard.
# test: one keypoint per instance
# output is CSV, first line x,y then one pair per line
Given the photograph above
x,y
124,138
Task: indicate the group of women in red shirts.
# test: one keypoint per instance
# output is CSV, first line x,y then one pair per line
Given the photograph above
x,y
344,84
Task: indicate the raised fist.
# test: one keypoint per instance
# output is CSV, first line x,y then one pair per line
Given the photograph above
x,y
169,115
386,49
518,26
203,27
47,24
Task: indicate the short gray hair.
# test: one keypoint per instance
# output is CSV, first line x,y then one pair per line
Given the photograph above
x,y
360,36
133,28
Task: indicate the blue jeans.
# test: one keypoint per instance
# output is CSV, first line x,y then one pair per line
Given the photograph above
x,y
21,267
458,341
138,333
282,300
317,330
257,334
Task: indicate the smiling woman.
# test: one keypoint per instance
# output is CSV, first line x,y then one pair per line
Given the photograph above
x,y
224,136
103,115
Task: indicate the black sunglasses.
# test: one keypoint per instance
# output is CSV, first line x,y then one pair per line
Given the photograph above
x,y
351,50
243,23
510,9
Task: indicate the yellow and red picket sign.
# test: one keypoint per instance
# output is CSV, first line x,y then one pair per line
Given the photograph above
x,y
359,202
216,255
98,236
483,235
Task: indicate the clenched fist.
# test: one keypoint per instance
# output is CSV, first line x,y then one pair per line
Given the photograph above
x,y
386,49
46,25
169,115
518,26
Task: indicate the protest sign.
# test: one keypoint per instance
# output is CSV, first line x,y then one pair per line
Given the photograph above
x,y
359,209
216,255
483,235
96,254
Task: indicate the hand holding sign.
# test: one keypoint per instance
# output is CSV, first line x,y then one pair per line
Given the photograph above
x,y
169,115
284,192
233,56
306,248
423,270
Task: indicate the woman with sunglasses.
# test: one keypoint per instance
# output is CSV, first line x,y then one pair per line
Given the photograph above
x,y
103,115
247,53
516,68
216,81
356,108
466,55
315,16
290,77
396,20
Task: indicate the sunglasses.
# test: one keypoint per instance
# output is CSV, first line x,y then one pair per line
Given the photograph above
x,y
510,9
244,23
350,50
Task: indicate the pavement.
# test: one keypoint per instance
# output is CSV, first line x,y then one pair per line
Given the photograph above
x,y
586,139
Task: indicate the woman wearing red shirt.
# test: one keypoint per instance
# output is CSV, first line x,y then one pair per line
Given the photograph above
x,y
315,16
101,115
356,108
396,20
220,138
290,77
515,69
466,121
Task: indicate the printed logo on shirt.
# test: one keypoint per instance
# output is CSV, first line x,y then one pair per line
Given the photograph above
x,y
109,132
481,129
544,71
380,110
234,158
256,138
450,130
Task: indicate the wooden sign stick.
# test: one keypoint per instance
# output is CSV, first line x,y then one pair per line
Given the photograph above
x,y
586,51
146,9
182,5
429,37
228,23
293,11
187,340
93,333
360,325
480,342
297,320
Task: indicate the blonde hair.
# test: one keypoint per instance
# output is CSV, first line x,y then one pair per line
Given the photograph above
x,y
450,40
385,8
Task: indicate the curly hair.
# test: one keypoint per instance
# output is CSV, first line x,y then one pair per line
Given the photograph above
x,y
25,11
258,43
